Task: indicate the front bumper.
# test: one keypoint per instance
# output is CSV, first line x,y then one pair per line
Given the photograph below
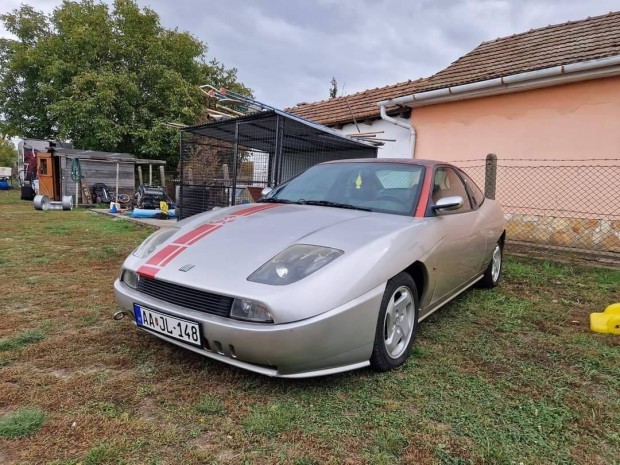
x,y
337,340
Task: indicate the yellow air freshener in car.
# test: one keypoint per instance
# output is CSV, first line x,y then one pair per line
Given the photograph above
x,y
358,182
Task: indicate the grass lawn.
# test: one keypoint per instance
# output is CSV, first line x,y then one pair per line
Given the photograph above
x,y
507,376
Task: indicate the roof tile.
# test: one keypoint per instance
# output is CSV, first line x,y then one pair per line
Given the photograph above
x,y
360,106
550,46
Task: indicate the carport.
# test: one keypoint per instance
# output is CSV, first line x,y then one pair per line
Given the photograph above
x,y
229,162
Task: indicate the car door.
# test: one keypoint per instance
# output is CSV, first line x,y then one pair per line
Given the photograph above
x,y
461,235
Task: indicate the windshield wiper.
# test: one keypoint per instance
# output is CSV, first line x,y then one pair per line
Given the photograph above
x,y
327,203
274,200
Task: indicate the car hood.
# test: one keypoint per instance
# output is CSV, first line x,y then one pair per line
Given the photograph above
x,y
222,248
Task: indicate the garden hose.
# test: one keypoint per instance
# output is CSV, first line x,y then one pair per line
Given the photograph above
x,y
76,170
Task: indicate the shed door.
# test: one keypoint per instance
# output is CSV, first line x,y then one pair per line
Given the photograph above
x,y
46,171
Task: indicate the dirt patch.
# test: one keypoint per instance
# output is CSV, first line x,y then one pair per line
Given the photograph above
x,y
148,409
8,455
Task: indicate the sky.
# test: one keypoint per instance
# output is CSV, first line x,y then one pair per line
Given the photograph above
x,y
287,51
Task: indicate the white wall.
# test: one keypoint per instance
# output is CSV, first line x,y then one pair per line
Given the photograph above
x,y
399,149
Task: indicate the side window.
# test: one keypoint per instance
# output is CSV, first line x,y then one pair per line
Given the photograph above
x,y
474,189
43,162
446,183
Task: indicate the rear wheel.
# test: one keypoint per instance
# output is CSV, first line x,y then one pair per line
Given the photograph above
x,y
493,273
396,324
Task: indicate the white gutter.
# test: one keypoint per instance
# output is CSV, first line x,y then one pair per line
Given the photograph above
x,y
402,124
591,69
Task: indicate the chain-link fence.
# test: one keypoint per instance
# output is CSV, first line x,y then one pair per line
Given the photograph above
x,y
555,203
230,162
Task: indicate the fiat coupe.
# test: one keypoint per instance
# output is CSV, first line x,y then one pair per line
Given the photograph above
x,y
331,271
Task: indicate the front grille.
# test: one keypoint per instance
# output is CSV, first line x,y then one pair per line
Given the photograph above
x,y
186,297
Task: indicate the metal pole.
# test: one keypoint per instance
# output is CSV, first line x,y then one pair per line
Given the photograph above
x,y
275,170
234,173
150,174
178,191
279,150
490,176
118,165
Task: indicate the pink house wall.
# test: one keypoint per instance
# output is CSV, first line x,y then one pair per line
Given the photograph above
x,y
573,121
562,200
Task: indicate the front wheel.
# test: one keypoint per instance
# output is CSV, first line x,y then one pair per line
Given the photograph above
x,y
396,324
493,273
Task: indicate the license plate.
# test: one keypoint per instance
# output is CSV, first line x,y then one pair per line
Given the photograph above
x,y
177,328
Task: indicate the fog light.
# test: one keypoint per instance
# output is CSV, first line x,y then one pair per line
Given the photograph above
x,y
248,310
130,278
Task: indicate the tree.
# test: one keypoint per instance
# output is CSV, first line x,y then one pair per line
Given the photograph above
x,y
8,153
107,78
333,90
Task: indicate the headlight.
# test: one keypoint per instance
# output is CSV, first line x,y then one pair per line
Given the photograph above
x,y
153,241
130,278
249,310
294,264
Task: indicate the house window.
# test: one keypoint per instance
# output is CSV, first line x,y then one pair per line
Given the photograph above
x,y
43,167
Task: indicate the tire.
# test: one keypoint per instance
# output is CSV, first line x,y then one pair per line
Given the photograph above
x,y
493,273
393,340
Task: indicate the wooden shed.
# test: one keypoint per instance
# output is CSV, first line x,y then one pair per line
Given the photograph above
x,y
55,169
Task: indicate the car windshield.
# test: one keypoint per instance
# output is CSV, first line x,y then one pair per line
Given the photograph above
x,y
378,187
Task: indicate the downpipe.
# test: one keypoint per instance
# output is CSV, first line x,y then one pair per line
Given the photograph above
x,y
402,124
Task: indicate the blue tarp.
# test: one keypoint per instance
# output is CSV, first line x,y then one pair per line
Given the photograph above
x,y
144,213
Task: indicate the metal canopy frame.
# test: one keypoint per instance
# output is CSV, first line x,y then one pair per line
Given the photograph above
x,y
283,145
256,128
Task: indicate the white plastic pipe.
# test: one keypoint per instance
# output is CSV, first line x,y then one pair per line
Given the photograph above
x,y
402,124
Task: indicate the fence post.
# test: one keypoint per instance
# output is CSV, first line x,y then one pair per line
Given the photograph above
x,y
490,176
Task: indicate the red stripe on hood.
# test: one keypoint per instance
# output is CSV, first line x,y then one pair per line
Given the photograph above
x,y
148,271
171,251
197,234
163,254
255,209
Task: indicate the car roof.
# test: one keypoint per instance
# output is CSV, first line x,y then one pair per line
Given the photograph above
x,y
408,161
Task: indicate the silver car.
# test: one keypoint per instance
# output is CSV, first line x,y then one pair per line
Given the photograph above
x,y
331,271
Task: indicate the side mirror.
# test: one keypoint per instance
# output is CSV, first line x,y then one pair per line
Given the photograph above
x,y
449,203
265,192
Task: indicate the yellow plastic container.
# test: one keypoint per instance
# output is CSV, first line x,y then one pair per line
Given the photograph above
x,y
607,322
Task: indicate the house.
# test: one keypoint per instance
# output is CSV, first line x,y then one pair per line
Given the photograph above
x,y
554,90
546,96
547,92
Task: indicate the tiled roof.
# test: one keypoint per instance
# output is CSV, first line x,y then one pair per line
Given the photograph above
x,y
550,46
359,106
